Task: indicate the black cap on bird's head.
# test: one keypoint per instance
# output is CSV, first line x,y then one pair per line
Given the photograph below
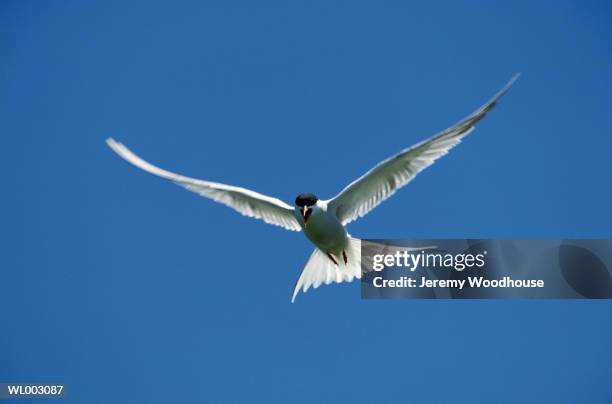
x,y
304,201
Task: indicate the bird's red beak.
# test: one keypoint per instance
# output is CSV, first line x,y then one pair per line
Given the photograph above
x,y
306,213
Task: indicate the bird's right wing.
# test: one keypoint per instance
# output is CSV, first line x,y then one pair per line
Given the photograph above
x,y
382,181
249,203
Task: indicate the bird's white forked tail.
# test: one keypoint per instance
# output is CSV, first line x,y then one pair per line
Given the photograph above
x,y
321,269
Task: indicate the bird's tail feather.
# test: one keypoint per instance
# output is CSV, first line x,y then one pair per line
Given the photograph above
x,y
321,269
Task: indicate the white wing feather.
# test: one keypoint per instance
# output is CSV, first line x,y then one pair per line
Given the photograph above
x,y
382,181
249,203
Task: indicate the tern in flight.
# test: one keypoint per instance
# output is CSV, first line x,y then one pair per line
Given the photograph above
x,y
336,257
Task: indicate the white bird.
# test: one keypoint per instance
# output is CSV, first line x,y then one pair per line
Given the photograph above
x,y
336,257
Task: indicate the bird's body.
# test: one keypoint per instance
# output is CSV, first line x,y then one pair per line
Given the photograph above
x,y
324,229
336,257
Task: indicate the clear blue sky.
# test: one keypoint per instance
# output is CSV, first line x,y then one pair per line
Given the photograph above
x,y
130,289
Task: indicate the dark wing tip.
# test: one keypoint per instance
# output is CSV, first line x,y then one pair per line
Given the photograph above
x,y
507,87
484,110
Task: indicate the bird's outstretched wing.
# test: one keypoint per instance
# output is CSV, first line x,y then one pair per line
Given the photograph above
x,y
249,203
368,191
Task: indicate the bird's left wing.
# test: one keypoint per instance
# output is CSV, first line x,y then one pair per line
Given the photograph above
x,y
249,203
368,191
